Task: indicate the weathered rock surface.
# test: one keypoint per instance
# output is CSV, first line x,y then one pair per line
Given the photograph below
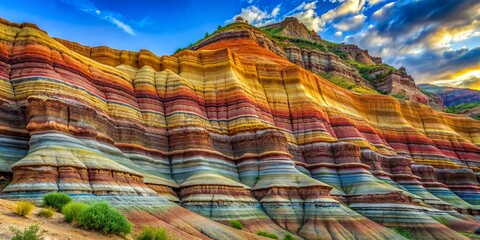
x,y
353,52
232,130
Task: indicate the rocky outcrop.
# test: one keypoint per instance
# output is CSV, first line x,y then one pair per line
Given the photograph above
x,y
232,130
353,52
324,63
291,27
243,31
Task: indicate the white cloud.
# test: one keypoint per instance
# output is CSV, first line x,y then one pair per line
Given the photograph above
x,y
259,17
338,34
379,13
352,23
120,24
89,7
276,10
306,13
348,7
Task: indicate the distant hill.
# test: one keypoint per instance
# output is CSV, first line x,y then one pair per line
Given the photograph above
x,y
458,100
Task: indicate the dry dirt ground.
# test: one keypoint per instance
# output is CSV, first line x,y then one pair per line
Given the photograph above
x,y
55,227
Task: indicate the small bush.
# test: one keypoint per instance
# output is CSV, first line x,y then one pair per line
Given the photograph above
x,y
406,233
236,224
24,208
153,233
72,210
46,212
104,218
30,233
56,200
289,236
267,234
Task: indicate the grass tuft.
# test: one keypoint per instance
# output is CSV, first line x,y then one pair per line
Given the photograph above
x,y
46,212
153,233
24,208
267,234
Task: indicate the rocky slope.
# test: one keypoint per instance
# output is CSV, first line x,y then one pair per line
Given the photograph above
x,y
232,130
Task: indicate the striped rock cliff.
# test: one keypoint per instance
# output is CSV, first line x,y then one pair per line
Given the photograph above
x,y
232,130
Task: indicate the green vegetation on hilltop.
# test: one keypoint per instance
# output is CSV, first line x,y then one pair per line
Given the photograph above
x,y
366,70
462,107
399,96
231,26
299,42
347,84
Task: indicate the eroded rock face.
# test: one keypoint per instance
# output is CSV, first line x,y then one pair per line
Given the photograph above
x,y
291,27
324,63
353,52
235,132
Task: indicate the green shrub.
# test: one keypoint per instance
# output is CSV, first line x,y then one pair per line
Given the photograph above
x,y
30,233
56,200
153,233
72,210
399,96
267,234
24,208
236,224
46,212
289,236
406,233
104,218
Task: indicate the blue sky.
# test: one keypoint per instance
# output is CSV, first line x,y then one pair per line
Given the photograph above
x,y
436,40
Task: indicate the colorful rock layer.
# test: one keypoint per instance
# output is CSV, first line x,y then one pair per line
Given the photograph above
x,y
230,131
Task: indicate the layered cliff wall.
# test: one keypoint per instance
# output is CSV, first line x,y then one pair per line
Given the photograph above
x,y
232,130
